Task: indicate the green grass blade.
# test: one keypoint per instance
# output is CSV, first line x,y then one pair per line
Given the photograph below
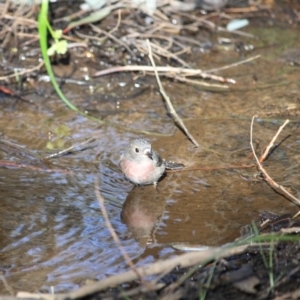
x,y
42,27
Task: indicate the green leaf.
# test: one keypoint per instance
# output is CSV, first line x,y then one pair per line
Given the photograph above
x,y
43,24
51,51
57,34
62,47
59,47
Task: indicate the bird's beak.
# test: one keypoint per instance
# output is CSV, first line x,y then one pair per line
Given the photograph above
x,y
148,152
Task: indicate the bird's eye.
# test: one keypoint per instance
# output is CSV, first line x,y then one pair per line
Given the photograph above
x,y
137,150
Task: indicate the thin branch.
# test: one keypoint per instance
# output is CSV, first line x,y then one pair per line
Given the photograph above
x,y
73,148
234,64
23,72
164,52
177,71
168,101
278,188
184,260
204,85
7,286
112,231
111,36
263,157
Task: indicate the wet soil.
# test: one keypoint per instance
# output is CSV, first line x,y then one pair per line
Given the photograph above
x,y
52,230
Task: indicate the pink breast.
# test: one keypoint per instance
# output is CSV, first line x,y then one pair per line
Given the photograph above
x,y
137,172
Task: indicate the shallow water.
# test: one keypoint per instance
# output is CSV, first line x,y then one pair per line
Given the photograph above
x,y
52,229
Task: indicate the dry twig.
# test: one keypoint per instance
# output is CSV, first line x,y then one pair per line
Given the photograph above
x,y
7,286
169,103
184,260
73,148
112,231
23,71
172,73
233,65
264,156
278,188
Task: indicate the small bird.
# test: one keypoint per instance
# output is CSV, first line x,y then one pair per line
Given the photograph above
x,y
142,165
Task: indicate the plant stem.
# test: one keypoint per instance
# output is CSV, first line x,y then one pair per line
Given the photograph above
x,y
43,25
